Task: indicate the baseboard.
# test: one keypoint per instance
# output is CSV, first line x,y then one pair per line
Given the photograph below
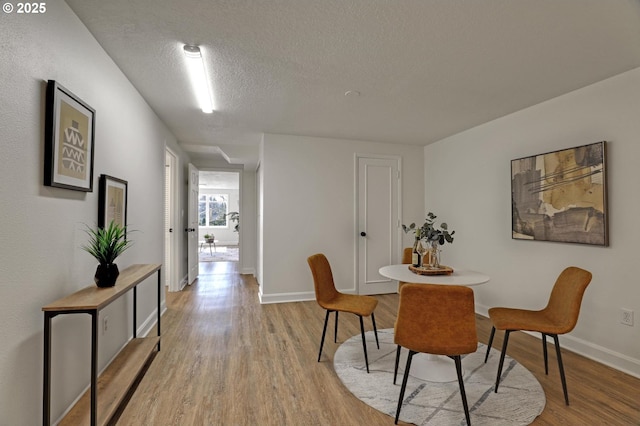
x,y
248,271
151,320
589,350
286,297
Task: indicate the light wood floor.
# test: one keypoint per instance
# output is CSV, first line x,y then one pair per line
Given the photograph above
x,y
227,360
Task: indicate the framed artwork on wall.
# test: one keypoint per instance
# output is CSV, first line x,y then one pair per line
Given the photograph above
x,y
561,196
69,140
112,202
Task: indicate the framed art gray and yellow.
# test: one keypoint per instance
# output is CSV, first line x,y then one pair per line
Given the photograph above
x,y
69,140
561,196
112,201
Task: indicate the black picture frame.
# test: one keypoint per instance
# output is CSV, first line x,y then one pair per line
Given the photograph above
x,y
112,201
561,196
69,140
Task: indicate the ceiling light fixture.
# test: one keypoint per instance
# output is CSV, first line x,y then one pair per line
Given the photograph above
x,y
198,75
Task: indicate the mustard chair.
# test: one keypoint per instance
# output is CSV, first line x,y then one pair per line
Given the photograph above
x,y
558,317
439,320
333,301
406,259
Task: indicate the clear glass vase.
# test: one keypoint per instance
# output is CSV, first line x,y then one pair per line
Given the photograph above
x,y
434,256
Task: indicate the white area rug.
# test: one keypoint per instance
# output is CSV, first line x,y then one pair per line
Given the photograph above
x,y
220,254
520,398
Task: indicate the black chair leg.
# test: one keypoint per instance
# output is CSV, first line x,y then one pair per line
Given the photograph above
x,y
463,394
375,330
324,332
564,381
364,343
335,330
395,370
404,384
544,352
504,351
493,332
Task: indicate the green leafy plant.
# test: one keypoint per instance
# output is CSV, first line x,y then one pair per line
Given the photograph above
x,y
106,244
235,217
430,232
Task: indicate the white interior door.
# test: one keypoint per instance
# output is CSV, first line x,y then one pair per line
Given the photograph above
x,y
169,267
378,227
192,223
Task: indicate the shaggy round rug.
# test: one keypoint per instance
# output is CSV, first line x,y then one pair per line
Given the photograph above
x,y
520,398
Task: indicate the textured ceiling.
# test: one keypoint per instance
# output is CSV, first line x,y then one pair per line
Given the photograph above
x,y
425,69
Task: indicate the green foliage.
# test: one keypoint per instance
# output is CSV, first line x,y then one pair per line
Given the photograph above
x,y
106,244
430,232
234,216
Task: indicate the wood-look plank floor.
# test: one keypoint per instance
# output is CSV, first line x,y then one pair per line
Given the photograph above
x,y
227,360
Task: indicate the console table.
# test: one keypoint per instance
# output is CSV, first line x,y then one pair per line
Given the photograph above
x,y
115,382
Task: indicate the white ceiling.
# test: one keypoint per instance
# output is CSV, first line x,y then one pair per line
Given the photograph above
x,y
425,69
219,180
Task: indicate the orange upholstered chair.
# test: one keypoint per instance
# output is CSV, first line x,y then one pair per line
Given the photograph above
x,y
439,320
333,301
558,317
406,259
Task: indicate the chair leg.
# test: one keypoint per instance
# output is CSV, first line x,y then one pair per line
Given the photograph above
x,y
504,351
493,332
544,352
564,380
404,383
395,370
375,330
324,331
364,343
463,394
335,330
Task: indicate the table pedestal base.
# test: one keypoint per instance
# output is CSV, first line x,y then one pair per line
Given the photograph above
x,y
431,368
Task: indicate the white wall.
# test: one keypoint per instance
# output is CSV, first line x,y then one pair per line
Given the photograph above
x,y
468,185
42,227
309,207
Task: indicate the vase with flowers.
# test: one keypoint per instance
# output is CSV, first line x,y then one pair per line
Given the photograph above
x,y
431,236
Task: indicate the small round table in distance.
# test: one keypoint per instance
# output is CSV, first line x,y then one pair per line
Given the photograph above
x,y
433,368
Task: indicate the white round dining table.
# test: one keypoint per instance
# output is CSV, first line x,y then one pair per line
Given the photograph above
x,y
432,368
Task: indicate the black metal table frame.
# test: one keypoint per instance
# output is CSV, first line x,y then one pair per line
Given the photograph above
x,y
48,315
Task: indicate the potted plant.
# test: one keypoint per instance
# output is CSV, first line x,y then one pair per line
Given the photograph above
x,y
433,235
209,238
106,244
235,217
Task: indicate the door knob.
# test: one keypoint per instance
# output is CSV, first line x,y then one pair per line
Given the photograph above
x,y
363,234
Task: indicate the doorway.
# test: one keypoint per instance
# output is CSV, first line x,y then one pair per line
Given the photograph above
x,y
219,212
170,271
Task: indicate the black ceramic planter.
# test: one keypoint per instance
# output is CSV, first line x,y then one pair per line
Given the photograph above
x,y
106,275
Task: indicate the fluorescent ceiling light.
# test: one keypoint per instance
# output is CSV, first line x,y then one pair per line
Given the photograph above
x,y
198,77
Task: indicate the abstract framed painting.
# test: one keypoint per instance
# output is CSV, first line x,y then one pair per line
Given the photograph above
x,y
112,201
69,140
561,196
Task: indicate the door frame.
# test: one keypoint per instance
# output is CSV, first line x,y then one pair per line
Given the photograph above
x,y
395,250
240,176
171,207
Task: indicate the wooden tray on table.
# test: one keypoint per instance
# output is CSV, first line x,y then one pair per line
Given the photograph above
x,y
421,270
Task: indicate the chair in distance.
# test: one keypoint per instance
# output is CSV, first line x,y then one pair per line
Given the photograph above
x,y
406,260
333,301
558,317
439,320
